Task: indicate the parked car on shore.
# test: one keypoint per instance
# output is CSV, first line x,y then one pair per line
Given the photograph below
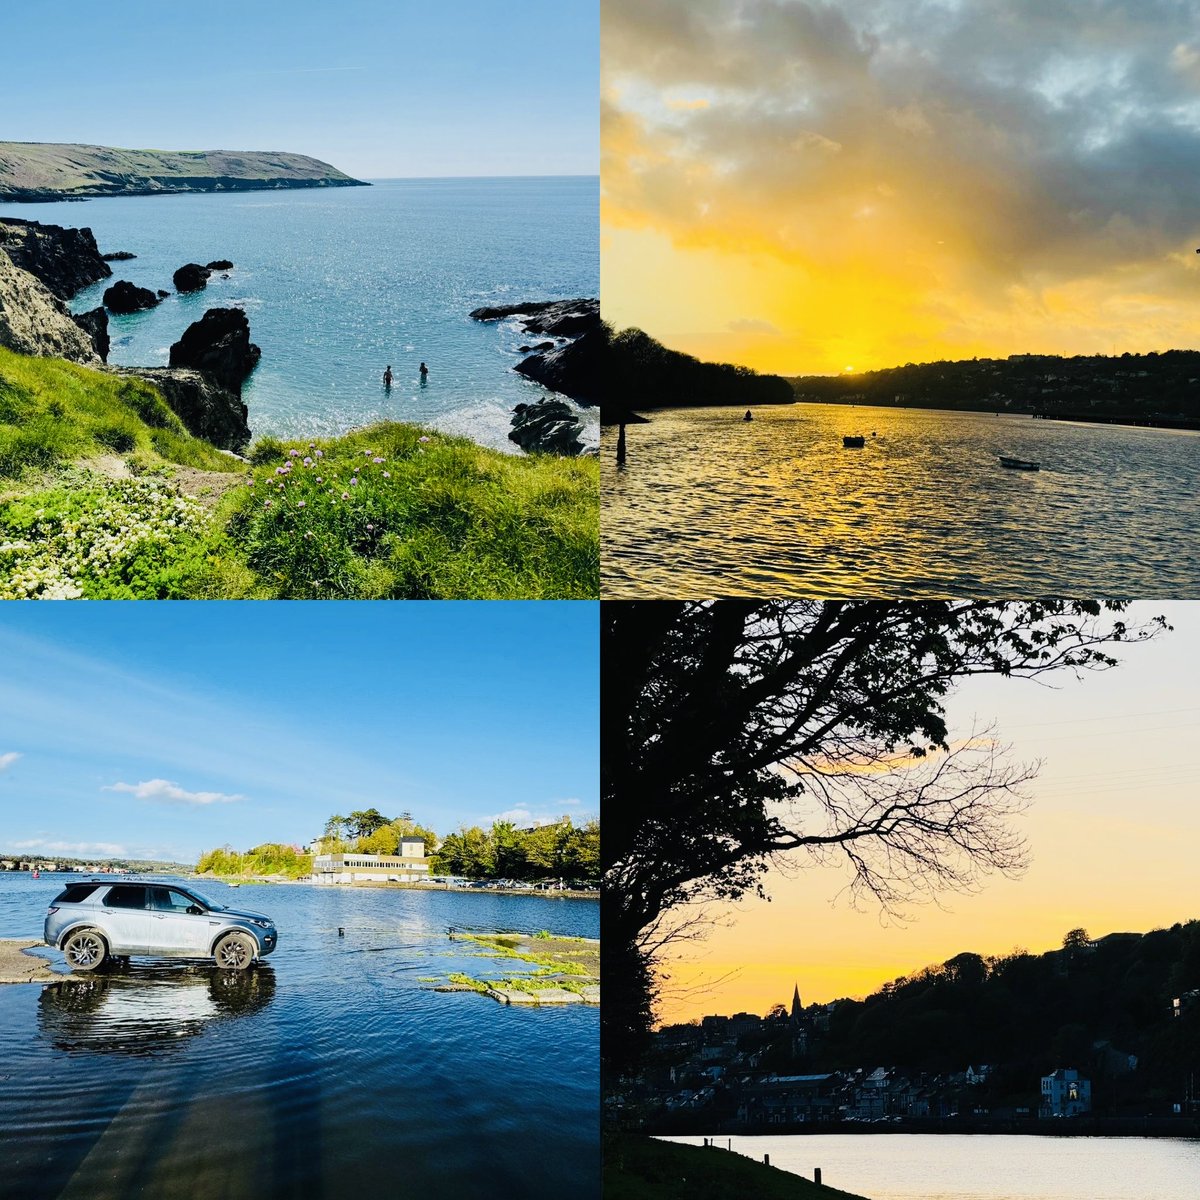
x,y
97,920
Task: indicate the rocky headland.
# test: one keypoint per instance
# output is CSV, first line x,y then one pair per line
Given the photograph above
x,y
43,171
203,384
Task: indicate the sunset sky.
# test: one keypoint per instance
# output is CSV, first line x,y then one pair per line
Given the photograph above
x,y
1113,829
806,187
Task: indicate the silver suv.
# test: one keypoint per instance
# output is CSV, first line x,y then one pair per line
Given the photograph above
x,y
99,920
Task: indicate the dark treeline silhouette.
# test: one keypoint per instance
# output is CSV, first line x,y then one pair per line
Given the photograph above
x,y
1094,1006
1094,386
643,373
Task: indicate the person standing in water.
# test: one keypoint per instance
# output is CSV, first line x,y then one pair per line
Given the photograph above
x,y
387,378
424,374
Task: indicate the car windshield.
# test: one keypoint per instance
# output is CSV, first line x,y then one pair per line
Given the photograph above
x,y
212,905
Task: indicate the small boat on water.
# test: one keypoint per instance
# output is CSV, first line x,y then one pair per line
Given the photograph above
x,y
853,443
1019,464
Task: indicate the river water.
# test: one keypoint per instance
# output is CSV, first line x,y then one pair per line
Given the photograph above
x,y
340,282
710,505
330,1070
991,1167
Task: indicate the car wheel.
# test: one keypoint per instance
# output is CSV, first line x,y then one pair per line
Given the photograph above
x,y
85,950
234,952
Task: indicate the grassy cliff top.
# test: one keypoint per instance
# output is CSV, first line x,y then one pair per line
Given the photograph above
x,y
642,1168
50,170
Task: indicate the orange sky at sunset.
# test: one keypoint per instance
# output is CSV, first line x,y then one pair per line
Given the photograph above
x,y
805,188
1113,828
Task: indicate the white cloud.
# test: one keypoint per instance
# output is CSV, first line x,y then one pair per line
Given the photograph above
x,y
163,789
77,849
524,816
7,760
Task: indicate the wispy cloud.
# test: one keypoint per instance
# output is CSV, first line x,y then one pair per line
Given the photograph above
x,y
7,760
50,846
163,789
523,815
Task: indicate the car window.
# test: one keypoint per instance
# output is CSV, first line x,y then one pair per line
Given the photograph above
x,y
126,896
75,893
169,900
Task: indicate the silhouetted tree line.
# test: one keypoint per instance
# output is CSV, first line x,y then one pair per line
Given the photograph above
x,y
1143,385
1088,1006
643,373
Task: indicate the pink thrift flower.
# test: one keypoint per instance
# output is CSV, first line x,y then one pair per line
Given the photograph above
x,y
300,504
354,482
370,528
345,495
387,474
377,460
308,462
267,504
423,439
318,454
293,454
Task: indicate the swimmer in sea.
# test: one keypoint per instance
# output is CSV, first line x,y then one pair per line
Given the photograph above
x,y
387,378
424,374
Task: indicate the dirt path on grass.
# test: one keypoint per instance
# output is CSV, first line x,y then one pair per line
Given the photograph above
x,y
205,486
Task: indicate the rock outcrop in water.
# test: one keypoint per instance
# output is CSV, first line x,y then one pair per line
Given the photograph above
x,y
219,345
548,426
575,369
220,264
64,260
208,409
191,277
125,297
35,321
561,318
118,256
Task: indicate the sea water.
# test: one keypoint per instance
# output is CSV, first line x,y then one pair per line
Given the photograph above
x,y
339,283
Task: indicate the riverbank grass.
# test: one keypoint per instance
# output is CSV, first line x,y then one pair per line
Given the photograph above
x,y
563,968
105,495
642,1168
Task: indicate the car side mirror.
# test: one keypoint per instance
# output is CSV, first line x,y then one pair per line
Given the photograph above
x,y
194,910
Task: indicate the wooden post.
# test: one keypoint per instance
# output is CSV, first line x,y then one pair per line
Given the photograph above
x,y
817,1176
621,445
766,1160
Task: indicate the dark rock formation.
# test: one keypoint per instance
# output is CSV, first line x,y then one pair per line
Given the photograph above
x,y
64,260
535,349
191,277
548,426
94,323
163,293
118,256
218,344
220,264
35,321
575,369
126,297
209,410
564,318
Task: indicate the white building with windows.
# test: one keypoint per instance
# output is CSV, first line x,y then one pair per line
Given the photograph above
x,y
407,865
1065,1094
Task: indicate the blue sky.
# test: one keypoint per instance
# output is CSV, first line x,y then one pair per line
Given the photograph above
x,y
379,88
161,730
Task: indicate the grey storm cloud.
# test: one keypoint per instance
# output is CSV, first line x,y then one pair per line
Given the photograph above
x,y
1056,139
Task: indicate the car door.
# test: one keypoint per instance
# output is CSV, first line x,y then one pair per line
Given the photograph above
x,y
126,919
179,927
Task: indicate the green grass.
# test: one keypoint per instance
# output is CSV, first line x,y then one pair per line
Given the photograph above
x,y
641,1168
53,413
390,512
399,512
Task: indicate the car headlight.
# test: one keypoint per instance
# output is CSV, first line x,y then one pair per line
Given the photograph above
x,y
261,924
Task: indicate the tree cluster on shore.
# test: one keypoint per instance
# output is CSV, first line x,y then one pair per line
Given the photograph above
x,y
1133,385
559,851
643,373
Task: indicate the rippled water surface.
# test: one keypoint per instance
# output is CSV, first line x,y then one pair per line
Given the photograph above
x,y
330,1070
339,283
992,1167
709,505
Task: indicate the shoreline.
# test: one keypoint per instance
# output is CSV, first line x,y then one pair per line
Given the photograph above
x,y
17,966
262,880
1182,1128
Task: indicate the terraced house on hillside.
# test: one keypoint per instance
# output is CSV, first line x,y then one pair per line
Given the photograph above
x,y
409,865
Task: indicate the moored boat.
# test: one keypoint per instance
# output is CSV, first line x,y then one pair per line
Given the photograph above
x,y
853,443
1019,464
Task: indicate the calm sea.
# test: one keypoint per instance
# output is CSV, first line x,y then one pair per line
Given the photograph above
x,y
709,505
958,1167
340,283
329,1071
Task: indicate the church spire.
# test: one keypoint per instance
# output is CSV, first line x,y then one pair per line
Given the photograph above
x,y
797,1009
